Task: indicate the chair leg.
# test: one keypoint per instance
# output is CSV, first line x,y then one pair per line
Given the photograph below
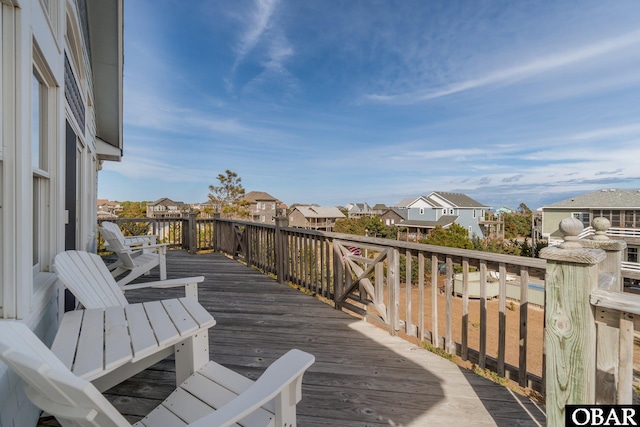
x,y
191,355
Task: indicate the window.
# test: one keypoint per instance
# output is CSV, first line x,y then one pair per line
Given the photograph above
x,y
474,213
583,217
40,168
421,211
444,211
451,211
632,254
615,218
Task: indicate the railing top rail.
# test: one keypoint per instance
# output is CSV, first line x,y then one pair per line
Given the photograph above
x,y
249,223
455,252
621,301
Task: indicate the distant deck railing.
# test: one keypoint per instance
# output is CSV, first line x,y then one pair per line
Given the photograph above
x,y
408,288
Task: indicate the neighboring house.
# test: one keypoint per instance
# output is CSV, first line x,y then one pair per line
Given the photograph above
x,y
359,210
620,207
314,217
60,118
379,209
442,209
394,216
108,210
504,210
205,209
166,208
263,207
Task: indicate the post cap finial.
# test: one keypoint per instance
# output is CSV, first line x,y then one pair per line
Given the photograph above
x,y
600,225
570,229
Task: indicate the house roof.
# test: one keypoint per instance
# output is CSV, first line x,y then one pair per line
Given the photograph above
x,y
605,198
380,207
359,207
165,201
443,221
402,213
258,196
406,202
320,212
454,200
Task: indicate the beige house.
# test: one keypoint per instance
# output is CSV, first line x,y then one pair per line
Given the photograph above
x,y
108,210
263,207
167,208
314,217
620,207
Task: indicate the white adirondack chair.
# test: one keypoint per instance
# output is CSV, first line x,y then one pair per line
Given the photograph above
x,y
131,241
212,396
132,261
88,278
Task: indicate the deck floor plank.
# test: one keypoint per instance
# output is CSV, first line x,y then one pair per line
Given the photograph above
x,y
362,375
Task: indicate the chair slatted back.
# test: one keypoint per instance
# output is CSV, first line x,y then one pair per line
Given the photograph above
x,y
89,279
118,246
114,229
50,385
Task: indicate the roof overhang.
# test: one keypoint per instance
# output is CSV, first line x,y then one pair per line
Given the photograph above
x,y
106,32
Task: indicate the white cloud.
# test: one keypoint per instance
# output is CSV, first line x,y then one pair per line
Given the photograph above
x,y
514,73
258,24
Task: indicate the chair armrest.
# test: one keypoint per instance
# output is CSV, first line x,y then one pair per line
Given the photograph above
x,y
170,283
143,239
277,380
130,249
157,245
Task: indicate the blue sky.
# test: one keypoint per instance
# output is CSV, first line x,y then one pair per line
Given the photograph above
x,y
332,102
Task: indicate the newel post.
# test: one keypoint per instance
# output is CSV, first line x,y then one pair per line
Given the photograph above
x,y
610,343
570,331
281,247
192,233
610,269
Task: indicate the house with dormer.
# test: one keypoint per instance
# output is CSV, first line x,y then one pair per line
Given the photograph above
x,y
439,208
359,210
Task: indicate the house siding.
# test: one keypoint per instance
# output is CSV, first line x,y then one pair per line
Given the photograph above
x,y
41,40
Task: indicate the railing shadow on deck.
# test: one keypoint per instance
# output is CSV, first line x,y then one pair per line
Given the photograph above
x,y
362,376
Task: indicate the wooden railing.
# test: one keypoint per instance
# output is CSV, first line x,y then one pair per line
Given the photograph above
x,y
188,232
408,289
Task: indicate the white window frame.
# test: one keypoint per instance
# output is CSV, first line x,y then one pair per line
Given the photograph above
x,y
42,188
581,216
421,211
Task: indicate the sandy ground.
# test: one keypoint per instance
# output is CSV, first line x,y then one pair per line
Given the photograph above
x,y
535,321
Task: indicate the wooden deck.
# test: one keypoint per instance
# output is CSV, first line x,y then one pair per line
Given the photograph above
x,y
362,375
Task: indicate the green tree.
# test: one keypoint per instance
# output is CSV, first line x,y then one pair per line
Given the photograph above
x,y
365,226
133,210
227,197
518,224
455,236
